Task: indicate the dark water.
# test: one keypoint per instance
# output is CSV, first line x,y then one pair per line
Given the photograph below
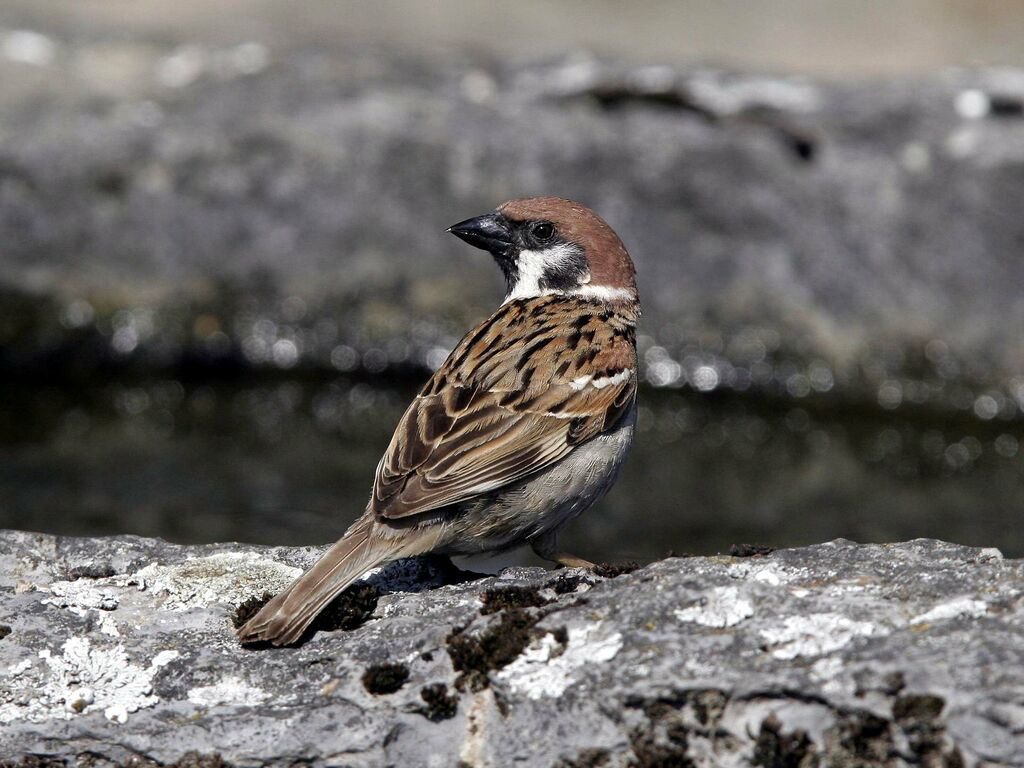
x,y
288,460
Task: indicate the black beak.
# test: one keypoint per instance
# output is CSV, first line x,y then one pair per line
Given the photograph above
x,y
491,232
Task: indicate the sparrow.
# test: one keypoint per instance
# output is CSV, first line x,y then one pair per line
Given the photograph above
x,y
524,426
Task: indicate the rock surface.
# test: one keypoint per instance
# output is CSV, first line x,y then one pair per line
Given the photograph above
x,y
267,200
121,650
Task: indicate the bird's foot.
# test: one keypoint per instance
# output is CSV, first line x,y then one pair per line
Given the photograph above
x,y
569,561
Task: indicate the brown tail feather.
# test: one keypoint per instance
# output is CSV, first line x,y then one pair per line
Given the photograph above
x,y
283,620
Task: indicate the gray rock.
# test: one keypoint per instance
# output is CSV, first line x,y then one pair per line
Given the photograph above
x,y
833,230
837,654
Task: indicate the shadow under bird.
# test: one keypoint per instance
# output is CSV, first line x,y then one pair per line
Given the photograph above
x,y
523,427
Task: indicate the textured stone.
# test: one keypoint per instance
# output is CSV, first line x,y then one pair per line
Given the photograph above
x,y
837,654
843,224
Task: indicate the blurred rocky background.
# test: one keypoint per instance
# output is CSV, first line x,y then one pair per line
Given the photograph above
x,y
224,270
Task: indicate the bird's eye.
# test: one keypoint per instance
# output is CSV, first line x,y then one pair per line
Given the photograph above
x,y
543,231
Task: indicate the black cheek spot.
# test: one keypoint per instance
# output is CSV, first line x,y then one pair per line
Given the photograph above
x,y
564,275
558,279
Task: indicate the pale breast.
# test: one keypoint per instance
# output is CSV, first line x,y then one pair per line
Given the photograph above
x,y
546,501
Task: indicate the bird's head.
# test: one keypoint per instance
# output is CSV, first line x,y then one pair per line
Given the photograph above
x,y
547,245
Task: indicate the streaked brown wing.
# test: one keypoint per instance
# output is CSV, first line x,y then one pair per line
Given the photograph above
x,y
489,417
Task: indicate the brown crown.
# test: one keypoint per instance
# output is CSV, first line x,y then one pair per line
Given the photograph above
x,y
609,261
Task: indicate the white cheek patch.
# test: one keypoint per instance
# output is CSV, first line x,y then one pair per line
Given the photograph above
x,y
602,381
531,267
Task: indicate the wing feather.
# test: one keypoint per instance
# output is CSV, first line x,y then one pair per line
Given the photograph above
x,y
504,405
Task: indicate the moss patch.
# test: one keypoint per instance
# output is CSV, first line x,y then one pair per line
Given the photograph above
x,y
860,738
592,757
611,570
775,749
503,598
440,705
196,760
497,646
708,704
249,608
567,584
349,610
907,709
919,717
385,678
893,683
91,571
660,747
750,550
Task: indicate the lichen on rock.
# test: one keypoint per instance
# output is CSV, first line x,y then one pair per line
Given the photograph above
x,y
836,654
79,680
223,577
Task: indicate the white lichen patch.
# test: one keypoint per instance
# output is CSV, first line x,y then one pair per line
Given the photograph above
x,y
953,609
80,680
82,594
227,577
990,555
721,607
727,96
545,668
828,672
84,597
826,668
766,572
698,668
231,691
815,634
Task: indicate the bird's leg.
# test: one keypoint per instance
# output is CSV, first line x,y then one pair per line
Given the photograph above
x,y
547,547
